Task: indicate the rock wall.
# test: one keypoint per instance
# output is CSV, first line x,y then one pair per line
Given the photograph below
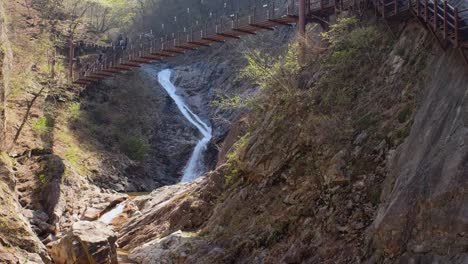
x,y
6,57
423,216
18,242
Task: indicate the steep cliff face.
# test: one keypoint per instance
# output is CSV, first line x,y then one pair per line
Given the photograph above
x,y
304,184
423,216
6,57
18,243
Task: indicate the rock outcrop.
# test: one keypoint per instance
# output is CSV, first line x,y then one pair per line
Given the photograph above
x,y
171,208
6,60
174,248
18,242
423,216
86,243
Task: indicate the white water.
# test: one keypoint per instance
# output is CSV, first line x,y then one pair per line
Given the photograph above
x,y
112,214
195,166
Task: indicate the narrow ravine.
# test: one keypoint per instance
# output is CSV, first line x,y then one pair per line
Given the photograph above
x,y
195,166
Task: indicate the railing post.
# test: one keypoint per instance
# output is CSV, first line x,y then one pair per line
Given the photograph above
x,y
426,10
72,56
273,9
302,17
457,41
254,15
436,10
417,7
396,7
445,19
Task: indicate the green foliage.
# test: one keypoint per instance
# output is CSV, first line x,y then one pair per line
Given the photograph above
x,y
235,102
402,133
271,73
349,43
353,52
240,144
405,114
233,173
72,156
43,179
134,146
42,125
74,110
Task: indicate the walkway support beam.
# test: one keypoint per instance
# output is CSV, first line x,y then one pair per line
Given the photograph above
x,y
302,18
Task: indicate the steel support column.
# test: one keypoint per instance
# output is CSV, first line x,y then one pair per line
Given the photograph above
x,y
71,59
302,18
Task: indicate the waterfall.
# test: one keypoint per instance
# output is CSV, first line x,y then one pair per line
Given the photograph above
x,y
112,214
195,166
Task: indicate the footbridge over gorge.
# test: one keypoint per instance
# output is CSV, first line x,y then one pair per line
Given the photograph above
x,y
447,20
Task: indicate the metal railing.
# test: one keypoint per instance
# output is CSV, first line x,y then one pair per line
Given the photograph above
x,y
144,48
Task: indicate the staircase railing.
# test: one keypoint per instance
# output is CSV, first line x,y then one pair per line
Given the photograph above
x,y
448,21
146,48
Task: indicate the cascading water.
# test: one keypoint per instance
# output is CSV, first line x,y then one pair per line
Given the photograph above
x,y
195,166
112,214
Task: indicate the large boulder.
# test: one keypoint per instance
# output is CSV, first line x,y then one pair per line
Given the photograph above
x,y
86,243
174,248
184,206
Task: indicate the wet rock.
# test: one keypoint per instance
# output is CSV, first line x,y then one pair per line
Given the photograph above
x,y
86,243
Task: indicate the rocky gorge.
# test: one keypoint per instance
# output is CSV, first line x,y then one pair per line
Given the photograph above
x,y
346,146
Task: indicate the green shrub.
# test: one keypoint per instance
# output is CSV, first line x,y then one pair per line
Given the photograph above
x,y
42,125
405,114
74,110
72,156
230,102
43,179
134,146
402,133
279,72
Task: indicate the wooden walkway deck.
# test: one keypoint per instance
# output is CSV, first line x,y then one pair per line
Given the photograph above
x,y
449,25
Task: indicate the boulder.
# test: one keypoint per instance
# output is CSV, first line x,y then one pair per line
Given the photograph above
x,y
86,243
173,248
91,214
